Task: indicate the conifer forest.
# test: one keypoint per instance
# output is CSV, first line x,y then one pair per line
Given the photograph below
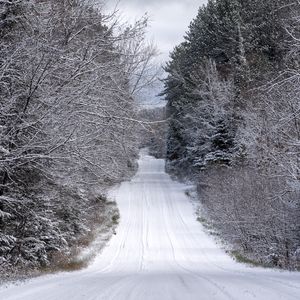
x,y
233,103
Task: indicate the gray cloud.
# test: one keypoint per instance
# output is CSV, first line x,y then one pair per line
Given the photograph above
x,y
169,19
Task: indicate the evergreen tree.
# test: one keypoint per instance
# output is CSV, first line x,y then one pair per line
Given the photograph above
x,y
232,102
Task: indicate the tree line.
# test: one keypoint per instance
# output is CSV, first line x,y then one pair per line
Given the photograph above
x,y
68,127
232,89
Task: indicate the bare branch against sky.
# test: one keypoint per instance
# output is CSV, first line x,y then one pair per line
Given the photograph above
x,y
169,19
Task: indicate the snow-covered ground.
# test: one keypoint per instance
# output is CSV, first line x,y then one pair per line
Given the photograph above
x,y
160,252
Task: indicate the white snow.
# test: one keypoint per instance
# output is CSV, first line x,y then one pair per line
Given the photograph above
x,y
160,252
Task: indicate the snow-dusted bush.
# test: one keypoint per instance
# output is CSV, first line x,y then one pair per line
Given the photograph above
x,y
252,214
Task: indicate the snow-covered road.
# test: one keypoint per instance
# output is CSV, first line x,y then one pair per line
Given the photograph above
x,y
160,252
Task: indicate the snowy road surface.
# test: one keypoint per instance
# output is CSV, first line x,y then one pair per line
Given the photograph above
x,y
160,252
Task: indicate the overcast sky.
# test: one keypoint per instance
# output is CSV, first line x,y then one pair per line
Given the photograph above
x,y
169,19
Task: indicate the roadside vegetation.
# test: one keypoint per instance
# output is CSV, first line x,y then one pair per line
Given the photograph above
x,y
234,123
69,74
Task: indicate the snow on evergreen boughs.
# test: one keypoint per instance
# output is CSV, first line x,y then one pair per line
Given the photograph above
x,y
233,100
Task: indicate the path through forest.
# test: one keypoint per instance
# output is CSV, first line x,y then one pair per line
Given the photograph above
x,y
160,252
